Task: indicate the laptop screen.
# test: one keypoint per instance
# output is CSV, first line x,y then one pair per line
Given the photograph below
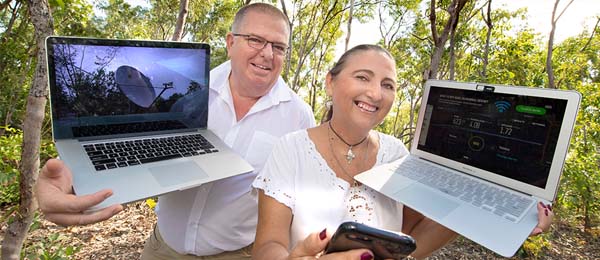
x,y
104,87
511,135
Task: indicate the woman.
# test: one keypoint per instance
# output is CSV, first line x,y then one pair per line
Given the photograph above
x,y
307,184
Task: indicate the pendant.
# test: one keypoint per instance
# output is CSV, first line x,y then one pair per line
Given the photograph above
x,y
350,155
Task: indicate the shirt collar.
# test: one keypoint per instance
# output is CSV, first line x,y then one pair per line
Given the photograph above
x,y
219,83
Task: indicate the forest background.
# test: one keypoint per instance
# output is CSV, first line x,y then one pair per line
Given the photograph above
x,y
445,39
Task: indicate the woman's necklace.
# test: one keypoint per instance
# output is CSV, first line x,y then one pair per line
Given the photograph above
x,y
354,183
349,155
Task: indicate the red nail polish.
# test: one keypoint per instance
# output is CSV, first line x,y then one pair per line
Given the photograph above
x,y
542,204
323,233
366,256
549,207
546,212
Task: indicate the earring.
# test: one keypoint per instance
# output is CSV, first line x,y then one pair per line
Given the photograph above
x,y
328,104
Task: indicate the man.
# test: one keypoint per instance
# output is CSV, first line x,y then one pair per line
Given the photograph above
x,y
250,107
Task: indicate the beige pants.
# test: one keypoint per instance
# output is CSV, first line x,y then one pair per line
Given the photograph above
x,y
157,249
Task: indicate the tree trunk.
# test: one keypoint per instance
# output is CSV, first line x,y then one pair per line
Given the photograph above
x,y
549,68
440,39
288,56
486,50
350,14
30,156
452,62
183,12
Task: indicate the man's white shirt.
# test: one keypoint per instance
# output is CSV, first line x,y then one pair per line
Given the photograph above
x,y
222,215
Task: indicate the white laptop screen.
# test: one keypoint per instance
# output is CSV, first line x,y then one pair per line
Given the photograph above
x,y
511,135
106,87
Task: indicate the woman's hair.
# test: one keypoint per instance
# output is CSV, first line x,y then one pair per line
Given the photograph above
x,y
341,63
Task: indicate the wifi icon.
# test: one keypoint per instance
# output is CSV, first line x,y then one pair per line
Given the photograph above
x,y
502,105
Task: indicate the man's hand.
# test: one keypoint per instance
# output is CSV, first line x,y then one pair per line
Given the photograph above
x,y
314,244
56,200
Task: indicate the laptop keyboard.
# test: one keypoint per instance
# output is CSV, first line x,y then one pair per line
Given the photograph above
x,y
110,155
498,201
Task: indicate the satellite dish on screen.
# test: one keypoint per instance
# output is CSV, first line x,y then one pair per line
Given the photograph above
x,y
135,85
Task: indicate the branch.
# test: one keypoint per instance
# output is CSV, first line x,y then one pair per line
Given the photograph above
x,y
8,30
417,36
563,11
592,35
432,19
4,4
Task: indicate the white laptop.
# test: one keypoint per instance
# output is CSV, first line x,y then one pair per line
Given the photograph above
x,y
131,116
482,157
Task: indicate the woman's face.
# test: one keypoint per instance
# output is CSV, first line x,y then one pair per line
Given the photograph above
x,y
364,90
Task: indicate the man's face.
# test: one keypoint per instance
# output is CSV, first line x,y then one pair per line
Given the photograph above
x,y
255,71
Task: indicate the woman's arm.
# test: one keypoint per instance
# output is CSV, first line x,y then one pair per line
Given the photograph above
x,y
273,229
430,235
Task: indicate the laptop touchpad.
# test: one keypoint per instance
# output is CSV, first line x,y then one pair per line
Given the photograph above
x,y
177,173
426,201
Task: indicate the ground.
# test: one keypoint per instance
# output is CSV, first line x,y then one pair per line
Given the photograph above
x,y
123,237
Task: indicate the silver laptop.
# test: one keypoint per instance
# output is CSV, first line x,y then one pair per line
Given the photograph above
x,y
132,115
482,157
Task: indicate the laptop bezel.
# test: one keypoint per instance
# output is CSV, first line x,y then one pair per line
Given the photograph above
x,y
549,192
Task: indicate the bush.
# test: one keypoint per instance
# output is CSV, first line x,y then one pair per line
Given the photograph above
x,y
10,151
52,247
534,247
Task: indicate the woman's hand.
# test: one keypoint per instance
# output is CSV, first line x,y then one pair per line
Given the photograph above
x,y
545,216
313,245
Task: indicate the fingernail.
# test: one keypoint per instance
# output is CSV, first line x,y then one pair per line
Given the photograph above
x,y
546,212
323,234
366,256
542,204
549,207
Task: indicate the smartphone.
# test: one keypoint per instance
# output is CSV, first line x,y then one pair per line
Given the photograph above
x,y
384,244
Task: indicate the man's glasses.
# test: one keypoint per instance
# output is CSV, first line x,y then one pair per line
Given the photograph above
x,y
260,43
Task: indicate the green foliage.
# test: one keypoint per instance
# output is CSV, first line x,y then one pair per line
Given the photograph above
x,y
534,247
123,21
73,18
10,151
52,247
209,21
16,62
579,195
